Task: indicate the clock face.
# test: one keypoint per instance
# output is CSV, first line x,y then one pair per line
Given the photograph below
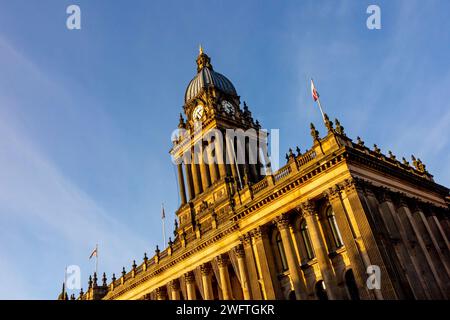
x,y
197,114
228,107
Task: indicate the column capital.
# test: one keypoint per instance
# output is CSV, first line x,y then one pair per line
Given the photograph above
x,y
259,232
223,260
332,193
239,251
352,184
161,293
205,269
282,221
308,208
384,195
246,239
189,277
174,284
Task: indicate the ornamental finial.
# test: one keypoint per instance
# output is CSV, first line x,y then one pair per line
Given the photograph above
x,y
200,49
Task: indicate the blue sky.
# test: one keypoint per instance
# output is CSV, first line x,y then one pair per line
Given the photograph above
x,y
86,115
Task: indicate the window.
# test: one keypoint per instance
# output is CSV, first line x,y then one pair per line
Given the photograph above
x,y
307,240
281,252
334,228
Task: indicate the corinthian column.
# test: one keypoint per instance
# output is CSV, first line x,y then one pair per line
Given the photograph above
x,y
161,293
223,262
240,255
283,223
311,216
174,286
205,270
190,285
181,183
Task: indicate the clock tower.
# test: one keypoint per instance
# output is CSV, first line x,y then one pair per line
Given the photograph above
x,y
217,146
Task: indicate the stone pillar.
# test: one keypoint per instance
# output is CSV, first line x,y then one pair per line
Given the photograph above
x,y
326,269
220,156
190,181
222,262
196,176
251,267
358,213
433,244
230,156
204,169
410,273
175,293
266,264
349,237
213,168
161,293
240,255
205,270
283,225
417,245
181,184
189,278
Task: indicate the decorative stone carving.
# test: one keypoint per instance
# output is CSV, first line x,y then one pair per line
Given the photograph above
x,y
174,285
314,133
189,277
223,260
239,251
205,269
282,221
308,208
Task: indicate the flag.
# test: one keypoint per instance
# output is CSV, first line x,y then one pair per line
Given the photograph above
x,y
94,253
163,214
314,92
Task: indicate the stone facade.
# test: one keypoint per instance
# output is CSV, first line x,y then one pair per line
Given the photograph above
x,y
310,230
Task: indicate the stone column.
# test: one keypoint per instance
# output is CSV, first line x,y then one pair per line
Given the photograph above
x,y
409,273
283,225
266,264
326,269
161,293
417,245
181,184
350,242
213,168
435,249
190,181
240,255
174,286
220,156
204,169
251,267
222,262
196,176
359,213
230,155
189,278
205,270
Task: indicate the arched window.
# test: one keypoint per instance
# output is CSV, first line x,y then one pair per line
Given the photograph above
x,y
307,240
334,228
352,287
280,248
321,291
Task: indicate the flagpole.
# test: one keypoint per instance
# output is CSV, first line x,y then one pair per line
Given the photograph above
x,y
163,217
318,101
96,258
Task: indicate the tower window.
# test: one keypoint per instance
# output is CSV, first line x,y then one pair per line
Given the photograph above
x,y
307,240
334,228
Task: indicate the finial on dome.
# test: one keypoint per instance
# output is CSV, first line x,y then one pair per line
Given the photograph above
x,y
203,61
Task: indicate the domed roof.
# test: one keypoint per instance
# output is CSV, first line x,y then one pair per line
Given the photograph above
x,y
207,77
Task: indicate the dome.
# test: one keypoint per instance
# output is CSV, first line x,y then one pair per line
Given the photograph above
x,y
206,78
